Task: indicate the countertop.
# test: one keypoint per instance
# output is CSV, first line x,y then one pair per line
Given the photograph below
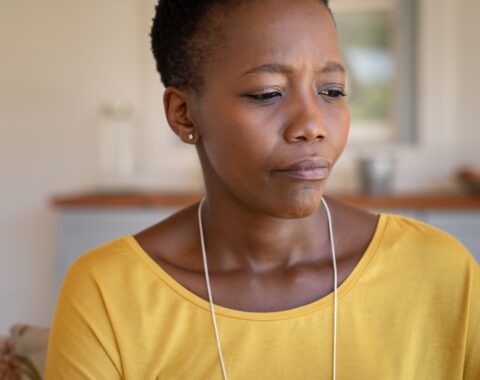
x,y
158,199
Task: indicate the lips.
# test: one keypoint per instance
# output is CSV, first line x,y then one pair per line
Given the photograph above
x,y
309,169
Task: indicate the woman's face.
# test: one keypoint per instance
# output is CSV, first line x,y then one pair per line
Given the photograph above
x,y
272,119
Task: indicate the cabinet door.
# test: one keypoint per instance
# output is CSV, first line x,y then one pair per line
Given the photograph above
x,y
464,225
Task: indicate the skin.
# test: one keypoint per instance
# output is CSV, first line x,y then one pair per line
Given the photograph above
x,y
266,236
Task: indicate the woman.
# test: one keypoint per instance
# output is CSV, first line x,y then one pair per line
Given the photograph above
x,y
258,87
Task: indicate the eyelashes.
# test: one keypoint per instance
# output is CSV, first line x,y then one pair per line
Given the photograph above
x,y
267,96
329,94
333,93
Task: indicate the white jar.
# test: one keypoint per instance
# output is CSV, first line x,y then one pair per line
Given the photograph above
x,y
116,146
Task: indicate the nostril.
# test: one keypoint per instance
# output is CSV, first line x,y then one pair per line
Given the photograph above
x,y
304,137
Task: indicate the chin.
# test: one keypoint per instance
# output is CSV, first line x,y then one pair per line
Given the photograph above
x,y
300,205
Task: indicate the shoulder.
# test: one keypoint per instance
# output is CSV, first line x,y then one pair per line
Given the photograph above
x,y
424,237
104,258
105,268
425,249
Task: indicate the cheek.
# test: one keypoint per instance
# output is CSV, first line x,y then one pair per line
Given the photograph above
x,y
236,140
339,125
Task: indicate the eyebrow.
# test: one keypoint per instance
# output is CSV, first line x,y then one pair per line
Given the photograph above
x,y
329,67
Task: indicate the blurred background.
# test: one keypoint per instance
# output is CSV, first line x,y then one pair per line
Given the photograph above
x,y
86,154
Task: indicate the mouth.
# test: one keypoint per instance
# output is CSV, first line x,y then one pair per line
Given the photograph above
x,y
310,169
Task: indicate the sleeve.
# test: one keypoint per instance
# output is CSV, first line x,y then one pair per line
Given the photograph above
x,y
472,354
82,342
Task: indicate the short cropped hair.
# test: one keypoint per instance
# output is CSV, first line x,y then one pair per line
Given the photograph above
x,y
182,39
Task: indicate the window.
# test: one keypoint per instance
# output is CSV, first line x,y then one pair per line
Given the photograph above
x,y
377,41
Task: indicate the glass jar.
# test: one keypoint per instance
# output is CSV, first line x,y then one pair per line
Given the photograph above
x,y
116,146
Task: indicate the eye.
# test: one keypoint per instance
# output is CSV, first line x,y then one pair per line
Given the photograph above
x,y
265,97
333,93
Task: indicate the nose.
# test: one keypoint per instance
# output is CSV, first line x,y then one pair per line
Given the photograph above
x,y
306,122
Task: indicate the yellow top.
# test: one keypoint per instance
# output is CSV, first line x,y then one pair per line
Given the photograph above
x,y
409,310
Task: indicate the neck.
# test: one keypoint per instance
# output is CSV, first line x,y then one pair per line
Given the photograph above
x,y
240,238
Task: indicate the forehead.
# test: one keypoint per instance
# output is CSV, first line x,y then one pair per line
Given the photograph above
x,y
290,32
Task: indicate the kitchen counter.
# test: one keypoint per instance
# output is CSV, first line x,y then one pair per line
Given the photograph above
x,y
155,200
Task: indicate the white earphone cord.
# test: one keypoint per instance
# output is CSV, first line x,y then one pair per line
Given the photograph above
x,y
207,280
334,262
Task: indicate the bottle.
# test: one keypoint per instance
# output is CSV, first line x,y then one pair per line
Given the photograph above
x,y
116,146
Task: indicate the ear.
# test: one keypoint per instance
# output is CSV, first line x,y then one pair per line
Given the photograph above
x,y
179,116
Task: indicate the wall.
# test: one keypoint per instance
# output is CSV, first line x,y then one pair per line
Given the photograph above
x,y
61,60
467,125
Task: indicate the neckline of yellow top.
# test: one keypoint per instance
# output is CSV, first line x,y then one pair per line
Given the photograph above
x,y
298,311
